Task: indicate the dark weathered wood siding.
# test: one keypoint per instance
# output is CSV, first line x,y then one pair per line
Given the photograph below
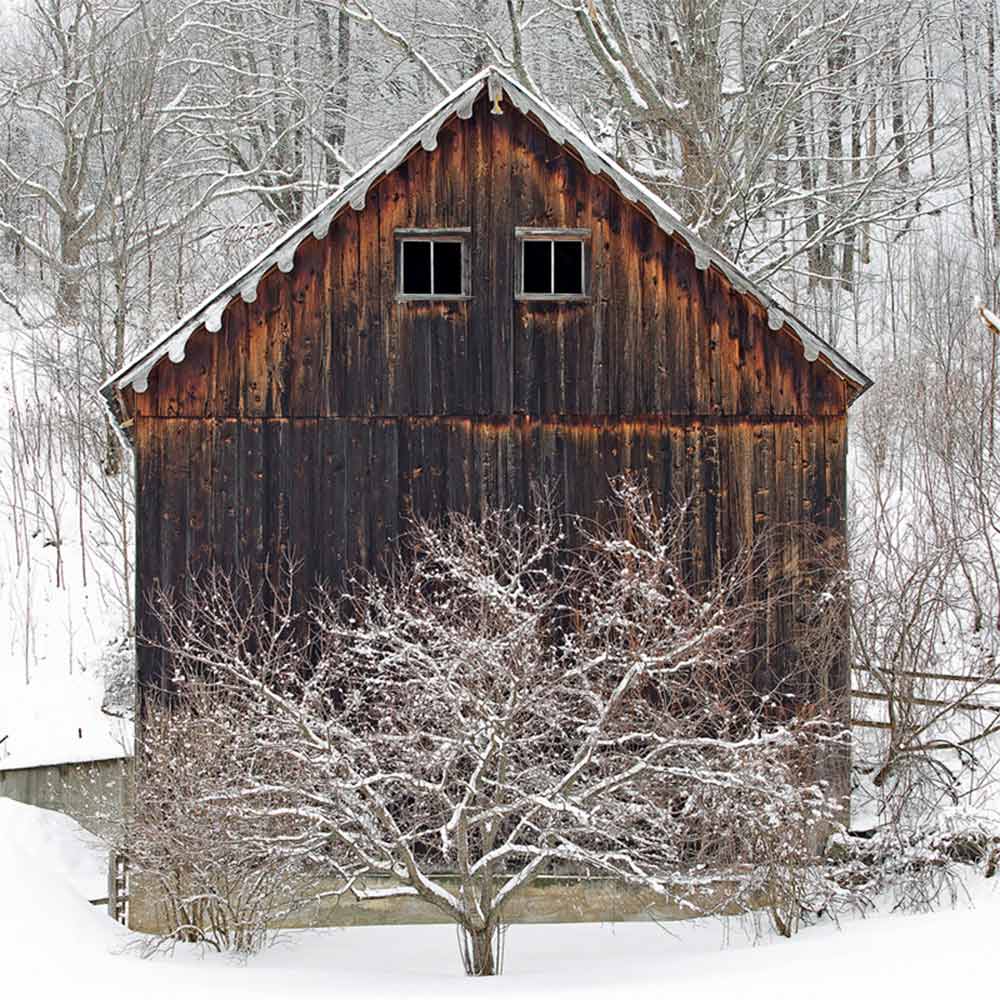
x,y
326,410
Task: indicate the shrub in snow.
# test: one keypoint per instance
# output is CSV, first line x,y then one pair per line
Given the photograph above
x,y
968,835
117,665
210,884
500,704
915,867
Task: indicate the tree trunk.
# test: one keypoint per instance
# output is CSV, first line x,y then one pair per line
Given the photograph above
x,y
967,123
480,952
112,447
335,97
850,236
866,246
929,75
475,52
991,111
807,181
837,60
898,107
68,292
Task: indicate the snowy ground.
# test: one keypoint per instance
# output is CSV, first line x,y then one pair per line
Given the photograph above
x,y
53,943
55,622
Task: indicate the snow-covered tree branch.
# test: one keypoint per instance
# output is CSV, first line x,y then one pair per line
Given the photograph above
x,y
500,707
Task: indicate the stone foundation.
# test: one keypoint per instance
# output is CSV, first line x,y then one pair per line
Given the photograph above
x,y
551,899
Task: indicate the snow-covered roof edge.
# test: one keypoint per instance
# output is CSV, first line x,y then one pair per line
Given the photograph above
x,y
55,759
135,373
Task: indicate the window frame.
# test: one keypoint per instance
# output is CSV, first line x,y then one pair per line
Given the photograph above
x,y
538,234
455,234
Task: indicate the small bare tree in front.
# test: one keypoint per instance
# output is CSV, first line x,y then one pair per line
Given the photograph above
x,y
210,881
499,706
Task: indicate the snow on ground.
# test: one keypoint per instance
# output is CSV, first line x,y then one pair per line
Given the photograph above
x,y
34,840
57,718
52,943
55,621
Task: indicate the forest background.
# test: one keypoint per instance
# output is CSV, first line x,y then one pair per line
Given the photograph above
x,y
844,155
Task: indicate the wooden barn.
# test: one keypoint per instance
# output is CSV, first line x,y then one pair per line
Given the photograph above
x,y
491,303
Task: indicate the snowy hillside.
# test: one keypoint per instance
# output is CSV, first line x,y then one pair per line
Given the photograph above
x,y
55,620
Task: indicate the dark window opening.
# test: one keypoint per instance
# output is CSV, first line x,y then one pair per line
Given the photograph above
x,y
431,267
537,267
567,267
552,267
447,268
417,267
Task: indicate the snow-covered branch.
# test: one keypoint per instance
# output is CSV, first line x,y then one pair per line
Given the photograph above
x,y
522,697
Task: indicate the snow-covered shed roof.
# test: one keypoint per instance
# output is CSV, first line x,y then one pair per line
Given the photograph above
x,y
135,374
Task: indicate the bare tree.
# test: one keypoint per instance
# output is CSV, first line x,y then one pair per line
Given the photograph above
x,y
926,606
210,887
740,114
58,83
495,710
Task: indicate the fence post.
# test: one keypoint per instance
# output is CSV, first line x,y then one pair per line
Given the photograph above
x,y
118,887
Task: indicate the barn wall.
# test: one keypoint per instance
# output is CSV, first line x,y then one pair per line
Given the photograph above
x,y
326,410
335,493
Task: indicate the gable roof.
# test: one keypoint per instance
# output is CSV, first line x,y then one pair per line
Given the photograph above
x,y
135,373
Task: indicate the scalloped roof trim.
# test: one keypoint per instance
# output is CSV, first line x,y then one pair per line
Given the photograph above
x,y
353,194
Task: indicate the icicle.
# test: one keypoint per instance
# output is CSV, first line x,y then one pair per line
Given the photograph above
x,y
465,106
248,290
358,198
429,137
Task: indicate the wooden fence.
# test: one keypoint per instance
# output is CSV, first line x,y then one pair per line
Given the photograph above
x,y
943,691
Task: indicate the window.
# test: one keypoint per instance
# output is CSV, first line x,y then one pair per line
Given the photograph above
x,y
552,263
432,263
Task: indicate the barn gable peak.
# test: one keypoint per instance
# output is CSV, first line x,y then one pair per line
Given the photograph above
x,y
498,84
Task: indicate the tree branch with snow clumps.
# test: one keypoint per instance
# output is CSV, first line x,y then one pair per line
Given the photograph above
x,y
524,695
